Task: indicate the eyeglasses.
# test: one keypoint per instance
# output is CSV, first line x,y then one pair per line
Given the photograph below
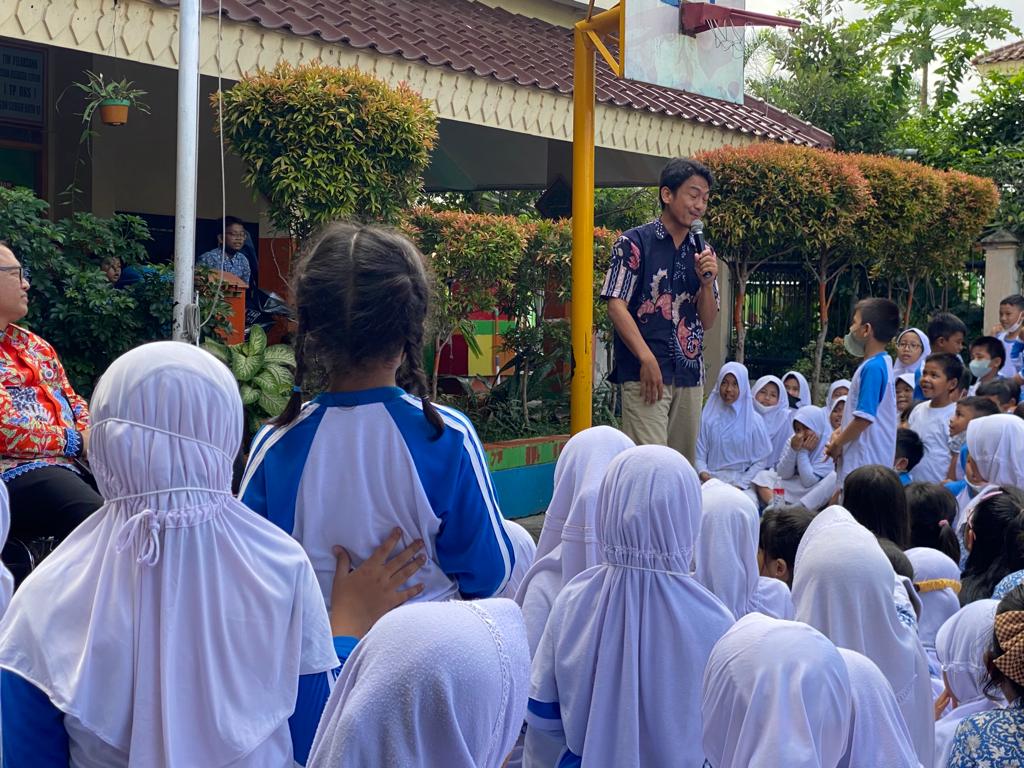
x,y
908,345
23,272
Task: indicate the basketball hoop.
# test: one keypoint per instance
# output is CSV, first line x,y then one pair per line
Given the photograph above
x,y
728,26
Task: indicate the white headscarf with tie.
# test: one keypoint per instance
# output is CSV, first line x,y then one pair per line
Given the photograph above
x,y
926,349
619,665
805,388
173,623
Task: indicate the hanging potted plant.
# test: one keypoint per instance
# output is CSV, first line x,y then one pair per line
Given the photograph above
x,y
113,99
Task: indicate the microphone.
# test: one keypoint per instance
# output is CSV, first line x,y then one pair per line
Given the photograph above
x,y
697,230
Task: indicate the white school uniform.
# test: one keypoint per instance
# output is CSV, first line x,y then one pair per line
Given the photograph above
x,y
733,444
872,397
801,471
994,442
932,426
1011,365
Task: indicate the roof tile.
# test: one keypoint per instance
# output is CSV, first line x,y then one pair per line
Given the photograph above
x,y
1012,52
492,42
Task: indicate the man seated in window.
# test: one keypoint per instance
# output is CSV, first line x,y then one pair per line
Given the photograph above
x,y
44,425
228,256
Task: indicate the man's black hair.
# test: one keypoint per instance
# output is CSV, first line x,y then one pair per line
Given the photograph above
x,y
909,446
993,346
945,325
678,170
951,365
230,221
883,316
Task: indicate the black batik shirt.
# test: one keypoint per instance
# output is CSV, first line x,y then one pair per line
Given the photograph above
x,y
659,284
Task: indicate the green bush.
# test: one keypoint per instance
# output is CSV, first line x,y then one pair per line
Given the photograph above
x,y
836,363
72,304
323,143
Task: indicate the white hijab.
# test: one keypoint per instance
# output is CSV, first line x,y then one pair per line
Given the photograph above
x,y
816,420
627,641
735,435
6,579
431,685
994,442
937,580
805,388
961,645
578,475
898,367
580,465
843,585
146,594
775,693
727,555
879,736
830,399
524,547
778,419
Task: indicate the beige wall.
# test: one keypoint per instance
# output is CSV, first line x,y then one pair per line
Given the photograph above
x,y
1003,67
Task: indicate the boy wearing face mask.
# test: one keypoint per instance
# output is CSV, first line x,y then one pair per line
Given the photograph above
x,y
867,433
1011,318
988,357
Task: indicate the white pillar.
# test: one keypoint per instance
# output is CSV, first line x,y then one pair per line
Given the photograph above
x,y
1002,276
185,178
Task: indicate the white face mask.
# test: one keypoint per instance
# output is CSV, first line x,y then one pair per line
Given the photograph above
x,y
1016,326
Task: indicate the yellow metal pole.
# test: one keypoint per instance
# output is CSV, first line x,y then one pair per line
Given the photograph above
x,y
582,315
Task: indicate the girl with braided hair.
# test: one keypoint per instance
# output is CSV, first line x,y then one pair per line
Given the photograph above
x,y
372,453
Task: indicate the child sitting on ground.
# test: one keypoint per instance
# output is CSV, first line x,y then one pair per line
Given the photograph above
x,y
782,527
733,444
803,463
966,409
932,511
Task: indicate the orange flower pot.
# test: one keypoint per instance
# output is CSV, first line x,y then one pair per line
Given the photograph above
x,y
114,111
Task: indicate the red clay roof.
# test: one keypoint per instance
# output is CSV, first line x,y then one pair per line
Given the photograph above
x,y
491,42
1011,52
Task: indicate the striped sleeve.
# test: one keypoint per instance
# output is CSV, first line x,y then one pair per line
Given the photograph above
x,y
623,272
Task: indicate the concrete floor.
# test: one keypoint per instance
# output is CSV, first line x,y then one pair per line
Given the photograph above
x,y
533,524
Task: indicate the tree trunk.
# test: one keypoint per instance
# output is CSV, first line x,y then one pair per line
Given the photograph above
x,y
436,367
911,286
819,346
737,313
924,89
525,392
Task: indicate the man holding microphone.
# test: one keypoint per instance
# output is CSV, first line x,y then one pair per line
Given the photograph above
x,y
662,296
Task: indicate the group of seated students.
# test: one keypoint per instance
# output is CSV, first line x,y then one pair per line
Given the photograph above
x,y
364,603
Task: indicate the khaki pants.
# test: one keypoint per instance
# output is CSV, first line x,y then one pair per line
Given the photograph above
x,y
673,421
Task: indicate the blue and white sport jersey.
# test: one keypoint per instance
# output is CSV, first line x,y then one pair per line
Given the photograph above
x,y
1013,363
872,397
355,465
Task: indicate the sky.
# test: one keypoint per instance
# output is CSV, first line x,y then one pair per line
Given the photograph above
x,y
853,10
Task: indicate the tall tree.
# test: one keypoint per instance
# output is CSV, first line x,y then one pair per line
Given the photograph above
x,y
952,32
830,73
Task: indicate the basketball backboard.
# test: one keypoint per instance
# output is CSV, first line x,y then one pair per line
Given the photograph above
x,y
655,52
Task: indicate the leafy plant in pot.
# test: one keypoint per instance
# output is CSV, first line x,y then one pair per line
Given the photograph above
x,y
113,99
